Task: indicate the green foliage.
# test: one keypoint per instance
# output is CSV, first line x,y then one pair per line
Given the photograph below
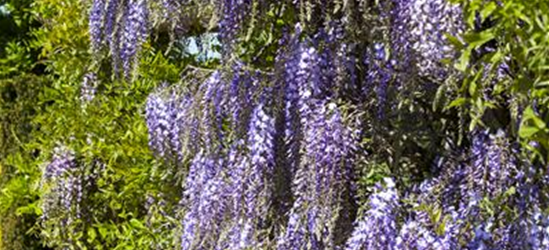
x,y
39,113
517,102
20,87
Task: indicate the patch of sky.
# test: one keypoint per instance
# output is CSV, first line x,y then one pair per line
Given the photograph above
x,y
203,48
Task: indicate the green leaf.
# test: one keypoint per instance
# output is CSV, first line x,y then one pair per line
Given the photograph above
x,y
527,131
91,234
457,102
454,41
487,10
510,192
476,40
463,61
137,224
103,232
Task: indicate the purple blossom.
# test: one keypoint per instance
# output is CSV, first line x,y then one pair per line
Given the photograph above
x,y
261,147
239,91
67,185
171,7
135,32
113,33
493,169
88,87
233,13
420,26
179,115
204,198
379,76
62,162
320,179
212,103
97,14
158,122
378,228
250,181
171,124
291,99
110,23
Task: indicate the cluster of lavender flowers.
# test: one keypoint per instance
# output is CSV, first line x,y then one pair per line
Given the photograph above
x,y
419,32
226,189
88,88
122,26
65,188
378,228
231,186
233,14
320,144
68,184
450,210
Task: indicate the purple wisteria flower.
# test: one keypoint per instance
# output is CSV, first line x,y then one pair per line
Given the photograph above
x,y
240,92
110,21
378,228
292,134
158,122
213,107
96,18
320,180
123,26
68,184
261,147
88,88
233,14
135,33
379,76
204,198
420,26
493,169
171,122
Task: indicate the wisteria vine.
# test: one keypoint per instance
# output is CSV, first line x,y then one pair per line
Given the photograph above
x,y
271,158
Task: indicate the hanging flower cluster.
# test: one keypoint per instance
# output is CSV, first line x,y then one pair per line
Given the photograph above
x,y
378,228
231,188
67,189
88,88
420,30
449,211
122,26
68,183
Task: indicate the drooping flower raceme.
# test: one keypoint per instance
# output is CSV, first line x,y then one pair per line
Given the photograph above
x,y
252,182
427,22
233,13
58,174
158,123
172,124
318,181
261,148
491,172
378,228
123,26
88,88
135,33
96,18
379,76
419,29
67,183
205,202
